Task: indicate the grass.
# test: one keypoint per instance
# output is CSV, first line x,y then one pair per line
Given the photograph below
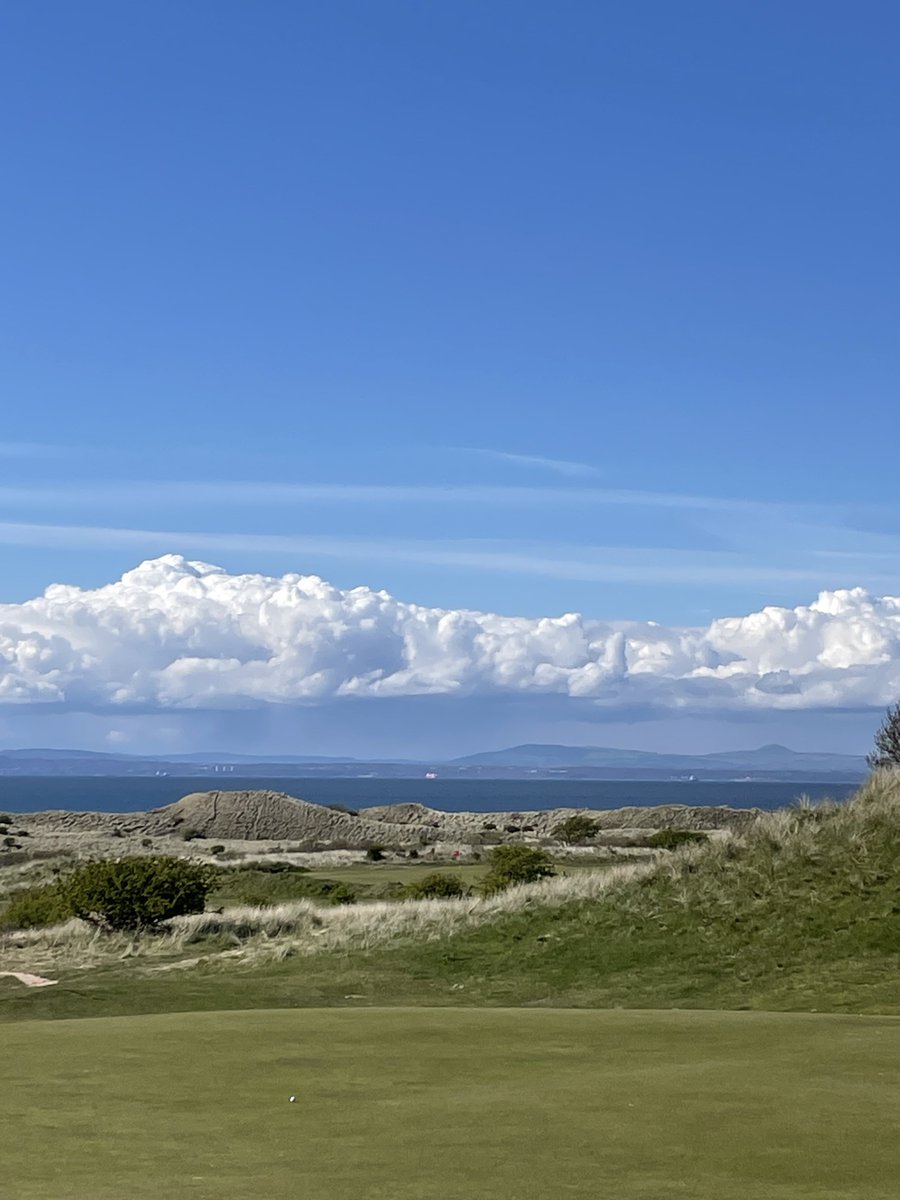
x,y
248,884
493,1075
802,912
378,873
462,1105
365,881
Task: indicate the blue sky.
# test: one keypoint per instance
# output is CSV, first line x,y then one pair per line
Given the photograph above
x,y
517,308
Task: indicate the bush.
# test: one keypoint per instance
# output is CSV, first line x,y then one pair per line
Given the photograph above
x,y
190,834
437,886
342,893
392,890
10,842
277,868
576,830
23,833
136,893
146,843
33,907
375,854
413,853
217,849
670,839
342,808
510,865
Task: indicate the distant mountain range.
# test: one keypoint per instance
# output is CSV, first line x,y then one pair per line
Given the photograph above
x,y
772,758
529,761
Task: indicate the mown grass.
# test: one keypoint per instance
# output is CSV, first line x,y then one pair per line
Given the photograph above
x,y
463,1105
279,883
365,881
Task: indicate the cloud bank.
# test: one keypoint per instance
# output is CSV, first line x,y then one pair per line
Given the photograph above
x,y
177,635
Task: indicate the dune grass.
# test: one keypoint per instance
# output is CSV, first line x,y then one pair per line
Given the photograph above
x,y
802,911
463,1105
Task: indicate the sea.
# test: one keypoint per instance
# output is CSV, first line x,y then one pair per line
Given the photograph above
x,y
24,794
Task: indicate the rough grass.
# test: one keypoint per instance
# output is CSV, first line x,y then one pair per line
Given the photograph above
x,y
463,1105
800,911
257,931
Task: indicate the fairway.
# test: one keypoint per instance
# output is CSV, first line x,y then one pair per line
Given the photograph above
x,y
451,1105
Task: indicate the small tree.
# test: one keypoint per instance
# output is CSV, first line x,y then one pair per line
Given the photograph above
x,y
437,886
576,830
510,865
887,742
136,893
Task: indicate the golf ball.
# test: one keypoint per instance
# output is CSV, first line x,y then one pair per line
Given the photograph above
x,y
293,1098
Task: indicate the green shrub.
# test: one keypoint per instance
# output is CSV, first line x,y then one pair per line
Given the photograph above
x,y
510,865
393,889
375,854
437,886
5,819
576,830
146,843
217,849
342,808
413,853
10,842
341,893
190,834
33,907
136,893
670,839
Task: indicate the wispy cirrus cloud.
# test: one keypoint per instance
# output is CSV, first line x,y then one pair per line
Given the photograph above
x,y
559,466
242,492
585,563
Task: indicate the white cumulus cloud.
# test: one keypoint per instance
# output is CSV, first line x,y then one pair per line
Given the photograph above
x,y
175,634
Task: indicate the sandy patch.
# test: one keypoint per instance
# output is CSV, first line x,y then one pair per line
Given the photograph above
x,y
27,979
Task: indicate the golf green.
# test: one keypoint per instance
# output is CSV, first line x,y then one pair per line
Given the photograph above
x,y
461,1104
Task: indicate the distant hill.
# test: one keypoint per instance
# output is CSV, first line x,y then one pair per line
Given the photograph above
x,y
38,754
772,758
575,762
